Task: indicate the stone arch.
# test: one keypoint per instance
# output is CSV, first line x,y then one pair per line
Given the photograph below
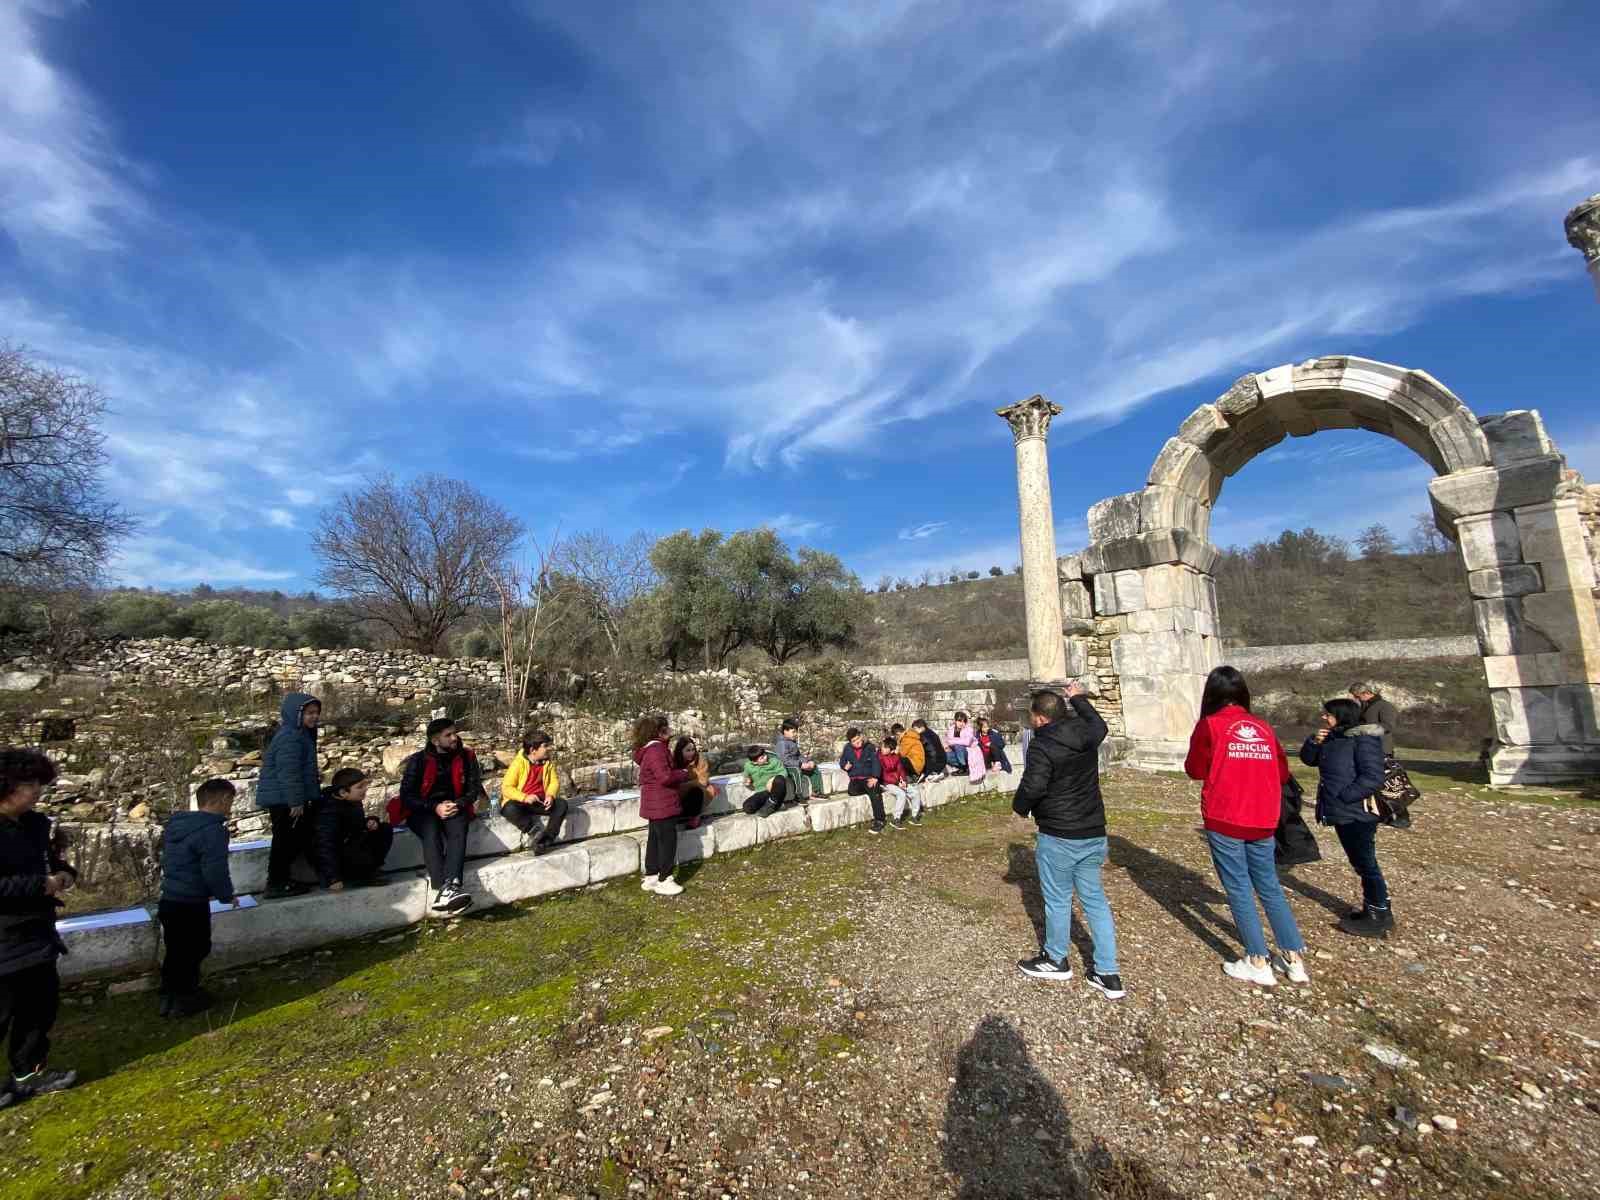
x,y
1140,604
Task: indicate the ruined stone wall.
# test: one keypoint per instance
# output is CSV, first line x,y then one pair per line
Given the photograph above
x,y
395,676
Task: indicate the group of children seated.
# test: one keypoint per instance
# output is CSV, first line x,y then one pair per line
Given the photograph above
x,y
895,765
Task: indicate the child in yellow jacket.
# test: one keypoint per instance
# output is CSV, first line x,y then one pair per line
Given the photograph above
x,y
530,789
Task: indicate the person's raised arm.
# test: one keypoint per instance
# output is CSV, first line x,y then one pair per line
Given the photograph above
x,y
1089,730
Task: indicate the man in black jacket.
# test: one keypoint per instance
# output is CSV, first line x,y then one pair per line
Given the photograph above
x,y
32,875
439,790
1060,790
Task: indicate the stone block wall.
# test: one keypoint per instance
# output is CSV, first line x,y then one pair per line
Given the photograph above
x,y
395,676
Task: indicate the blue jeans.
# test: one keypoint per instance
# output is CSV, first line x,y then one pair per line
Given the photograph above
x,y
1360,842
1068,865
1246,867
956,756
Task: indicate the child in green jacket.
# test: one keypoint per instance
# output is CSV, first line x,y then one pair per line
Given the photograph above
x,y
770,785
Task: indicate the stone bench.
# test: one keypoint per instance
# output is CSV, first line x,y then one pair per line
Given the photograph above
x,y
127,942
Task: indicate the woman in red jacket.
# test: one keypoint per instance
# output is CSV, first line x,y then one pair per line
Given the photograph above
x,y
659,803
1243,768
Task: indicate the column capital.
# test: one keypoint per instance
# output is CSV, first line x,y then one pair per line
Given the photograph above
x,y
1583,228
1029,418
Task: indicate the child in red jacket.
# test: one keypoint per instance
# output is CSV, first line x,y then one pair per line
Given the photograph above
x,y
897,784
1243,768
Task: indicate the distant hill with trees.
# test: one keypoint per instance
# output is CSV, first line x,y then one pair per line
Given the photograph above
x,y
1303,586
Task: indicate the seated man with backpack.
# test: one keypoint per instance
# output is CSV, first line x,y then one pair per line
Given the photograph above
x,y
439,789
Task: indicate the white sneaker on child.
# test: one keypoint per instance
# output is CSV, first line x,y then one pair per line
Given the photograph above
x,y
1247,972
648,883
671,887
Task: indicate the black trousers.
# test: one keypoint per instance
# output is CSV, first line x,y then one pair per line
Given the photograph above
x,y
444,843
779,795
286,844
29,1001
661,848
858,787
186,934
362,858
526,817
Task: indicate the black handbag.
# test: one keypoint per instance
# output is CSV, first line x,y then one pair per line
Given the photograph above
x,y
1397,795
1295,843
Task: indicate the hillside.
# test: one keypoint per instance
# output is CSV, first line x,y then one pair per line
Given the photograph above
x,y
1266,598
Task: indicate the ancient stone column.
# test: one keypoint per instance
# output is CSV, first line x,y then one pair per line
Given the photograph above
x,y
1583,231
1030,423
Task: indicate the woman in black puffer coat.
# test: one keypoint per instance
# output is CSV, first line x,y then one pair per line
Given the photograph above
x,y
1349,760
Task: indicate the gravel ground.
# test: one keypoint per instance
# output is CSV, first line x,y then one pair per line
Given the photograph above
x,y
841,1016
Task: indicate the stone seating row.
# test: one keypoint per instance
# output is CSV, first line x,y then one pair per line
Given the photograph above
x,y
127,942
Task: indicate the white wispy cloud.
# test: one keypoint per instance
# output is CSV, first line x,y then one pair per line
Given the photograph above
x,y
158,561
280,518
916,533
788,525
61,178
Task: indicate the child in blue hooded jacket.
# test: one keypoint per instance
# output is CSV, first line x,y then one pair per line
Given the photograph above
x,y
194,871
289,782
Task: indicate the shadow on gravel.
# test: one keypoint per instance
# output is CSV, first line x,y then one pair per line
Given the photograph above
x,y
1022,870
1190,897
1008,1135
1337,905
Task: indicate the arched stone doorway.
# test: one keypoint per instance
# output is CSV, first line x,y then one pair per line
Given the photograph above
x,y
1140,605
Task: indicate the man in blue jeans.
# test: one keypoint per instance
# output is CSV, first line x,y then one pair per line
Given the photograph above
x,y
1060,790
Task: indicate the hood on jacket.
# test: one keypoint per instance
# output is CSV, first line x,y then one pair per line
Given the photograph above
x,y
1376,731
638,755
293,708
189,823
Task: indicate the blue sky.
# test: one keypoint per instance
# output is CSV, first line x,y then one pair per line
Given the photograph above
x,y
661,266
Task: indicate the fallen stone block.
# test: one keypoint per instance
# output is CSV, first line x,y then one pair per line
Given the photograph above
x,y
108,944
613,857
735,831
247,865
279,926
514,877
589,819
784,823
627,811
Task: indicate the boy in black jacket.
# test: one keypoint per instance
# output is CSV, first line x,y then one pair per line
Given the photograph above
x,y
347,845
1060,790
194,869
32,876
933,756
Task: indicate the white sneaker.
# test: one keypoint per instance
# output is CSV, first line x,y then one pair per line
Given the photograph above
x,y
671,887
648,883
1294,969
1247,972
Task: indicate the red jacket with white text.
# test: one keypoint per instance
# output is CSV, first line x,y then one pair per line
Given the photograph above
x,y
1242,769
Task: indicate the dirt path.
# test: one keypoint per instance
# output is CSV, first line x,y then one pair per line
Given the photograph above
x,y
840,1016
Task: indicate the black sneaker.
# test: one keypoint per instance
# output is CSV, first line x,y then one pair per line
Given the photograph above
x,y
1111,985
767,809
453,899
44,1081
1370,922
899,822
875,827
8,1098
542,848
1042,966
916,817
280,891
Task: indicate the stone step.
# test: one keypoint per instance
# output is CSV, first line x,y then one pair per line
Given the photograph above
x,y
127,942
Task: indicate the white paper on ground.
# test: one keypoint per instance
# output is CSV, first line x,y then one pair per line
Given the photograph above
x,y
217,906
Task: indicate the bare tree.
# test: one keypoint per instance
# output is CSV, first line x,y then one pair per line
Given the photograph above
x,y
1426,536
56,529
415,557
529,595
610,575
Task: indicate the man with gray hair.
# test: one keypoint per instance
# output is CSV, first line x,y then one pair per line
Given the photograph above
x,y
1375,710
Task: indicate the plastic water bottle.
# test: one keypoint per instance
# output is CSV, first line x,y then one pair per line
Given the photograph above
x,y
602,781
